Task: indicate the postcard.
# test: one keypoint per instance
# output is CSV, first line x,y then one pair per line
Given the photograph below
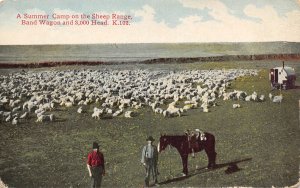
x,y
149,93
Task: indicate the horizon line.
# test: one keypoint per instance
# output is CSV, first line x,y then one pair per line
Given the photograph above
x,y
56,44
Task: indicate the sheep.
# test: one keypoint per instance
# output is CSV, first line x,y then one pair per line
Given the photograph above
x,y
187,107
271,96
87,102
97,114
248,98
30,106
172,105
16,109
205,109
4,100
47,106
24,116
5,114
234,106
79,110
262,98
119,89
68,104
129,114
277,99
254,96
15,121
44,118
153,105
12,103
138,106
172,112
108,111
39,111
8,118
117,113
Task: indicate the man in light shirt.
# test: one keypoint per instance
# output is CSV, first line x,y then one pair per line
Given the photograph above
x,y
149,160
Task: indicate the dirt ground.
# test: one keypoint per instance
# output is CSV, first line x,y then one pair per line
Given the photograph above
x,y
261,138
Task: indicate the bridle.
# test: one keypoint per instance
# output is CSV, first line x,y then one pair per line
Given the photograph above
x,y
165,145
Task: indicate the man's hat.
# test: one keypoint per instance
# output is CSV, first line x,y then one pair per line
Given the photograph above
x,y
150,138
95,145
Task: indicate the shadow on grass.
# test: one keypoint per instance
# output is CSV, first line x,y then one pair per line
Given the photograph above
x,y
297,87
204,170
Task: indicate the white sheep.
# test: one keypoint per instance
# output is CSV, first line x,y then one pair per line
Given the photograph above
x,y
254,96
16,109
15,121
68,104
187,107
39,111
270,96
24,116
248,98
44,118
119,89
117,113
8,118
108,111
80,110
277,99
170,112
129,114
205,109
97,114
234,106
5,114
82,102
262,98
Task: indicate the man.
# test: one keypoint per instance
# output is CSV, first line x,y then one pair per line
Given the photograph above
x,y
149,160
95,165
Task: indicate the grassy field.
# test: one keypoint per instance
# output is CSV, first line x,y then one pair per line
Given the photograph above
x,y
261,138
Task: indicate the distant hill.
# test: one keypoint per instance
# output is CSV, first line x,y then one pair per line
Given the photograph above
x,y
116,53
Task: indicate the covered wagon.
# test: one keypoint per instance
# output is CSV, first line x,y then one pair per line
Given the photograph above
x,y
282,77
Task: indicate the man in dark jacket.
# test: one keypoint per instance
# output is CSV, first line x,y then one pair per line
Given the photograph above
x,y
95,165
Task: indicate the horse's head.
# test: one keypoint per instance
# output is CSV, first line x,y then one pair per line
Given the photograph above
x,y
163,143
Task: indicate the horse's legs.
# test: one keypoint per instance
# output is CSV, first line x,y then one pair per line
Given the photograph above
x,y
184,158
211,159
209,148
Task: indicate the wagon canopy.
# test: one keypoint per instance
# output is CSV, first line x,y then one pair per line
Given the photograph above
x,y
289,70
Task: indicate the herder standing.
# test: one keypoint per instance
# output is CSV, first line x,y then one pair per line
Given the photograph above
x,y
95,165
149,160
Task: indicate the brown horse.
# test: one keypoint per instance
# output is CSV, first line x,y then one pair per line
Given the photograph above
x,y
184,146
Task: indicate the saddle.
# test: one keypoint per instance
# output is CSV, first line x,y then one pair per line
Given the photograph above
x,y
196,143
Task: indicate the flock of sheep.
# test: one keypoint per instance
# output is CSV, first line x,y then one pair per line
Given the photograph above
x,y
30,94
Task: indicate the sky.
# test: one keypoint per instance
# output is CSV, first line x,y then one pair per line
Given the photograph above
x,y
154,21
